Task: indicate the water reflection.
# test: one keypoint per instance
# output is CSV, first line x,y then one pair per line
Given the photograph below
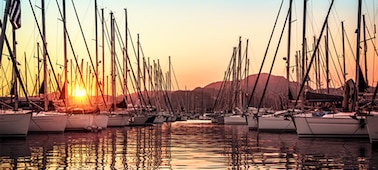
x,y
184,145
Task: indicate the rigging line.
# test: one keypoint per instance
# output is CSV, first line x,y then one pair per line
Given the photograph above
x,y
266,52
14,62
143,78
367,11
74,54
166,97
323,70
375,48
29,71
336,19
322,67
350,48
132,70
131,99
313,55
120,78
36,86
220,92
164,86
337,56
174,75
119,66
311,17
89,54
137,88
4,71
224,83
119,37
274,59
151,84
132,83
45,43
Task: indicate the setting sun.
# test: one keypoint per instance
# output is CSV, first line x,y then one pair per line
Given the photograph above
x,y
80,92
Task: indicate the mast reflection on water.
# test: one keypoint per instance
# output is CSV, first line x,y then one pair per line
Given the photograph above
x,y
183,145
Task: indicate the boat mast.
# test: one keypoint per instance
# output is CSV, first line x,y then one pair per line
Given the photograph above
x,y
239,77
169,83
246,73
327,57
38,77
96,42
303,43
365,49
26,67
317,67
288,50
15,86
71,76
297,66
125,58
358,39
103,49
138,68
65,86
113,64
313,55
3,27
44,57
343,39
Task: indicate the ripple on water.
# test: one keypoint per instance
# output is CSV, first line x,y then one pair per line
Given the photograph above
x,y
184,145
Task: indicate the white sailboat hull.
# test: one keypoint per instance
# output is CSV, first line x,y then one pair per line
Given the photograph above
x,y
159,119
235,120
48,122
100,121
252,122
80,122
329,127
118,120
372,127
171,118
14,124
279,123
138,120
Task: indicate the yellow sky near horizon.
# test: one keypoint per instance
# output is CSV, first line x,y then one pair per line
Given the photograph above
x,y
198,35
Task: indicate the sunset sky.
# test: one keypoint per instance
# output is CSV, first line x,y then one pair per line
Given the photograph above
x,y
198,35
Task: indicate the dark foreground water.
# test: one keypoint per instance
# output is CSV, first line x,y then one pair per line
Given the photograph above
x,y
184,145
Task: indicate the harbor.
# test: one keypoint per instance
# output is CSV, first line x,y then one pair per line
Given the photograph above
x,y
132,85
184,145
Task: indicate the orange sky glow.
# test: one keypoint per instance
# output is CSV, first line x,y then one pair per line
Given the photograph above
x,y
198,36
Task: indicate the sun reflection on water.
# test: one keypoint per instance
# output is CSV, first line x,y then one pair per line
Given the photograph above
x,y
182,146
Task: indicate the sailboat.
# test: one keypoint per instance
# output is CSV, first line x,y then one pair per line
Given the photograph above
x,y
47,120
279,120
79,117
13,122
346,123
372,126
235,114
118,114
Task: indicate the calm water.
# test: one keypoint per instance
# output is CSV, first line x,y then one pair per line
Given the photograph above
x,y
184,145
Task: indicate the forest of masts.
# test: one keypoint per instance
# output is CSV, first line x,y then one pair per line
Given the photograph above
x,y
86,81
107,79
